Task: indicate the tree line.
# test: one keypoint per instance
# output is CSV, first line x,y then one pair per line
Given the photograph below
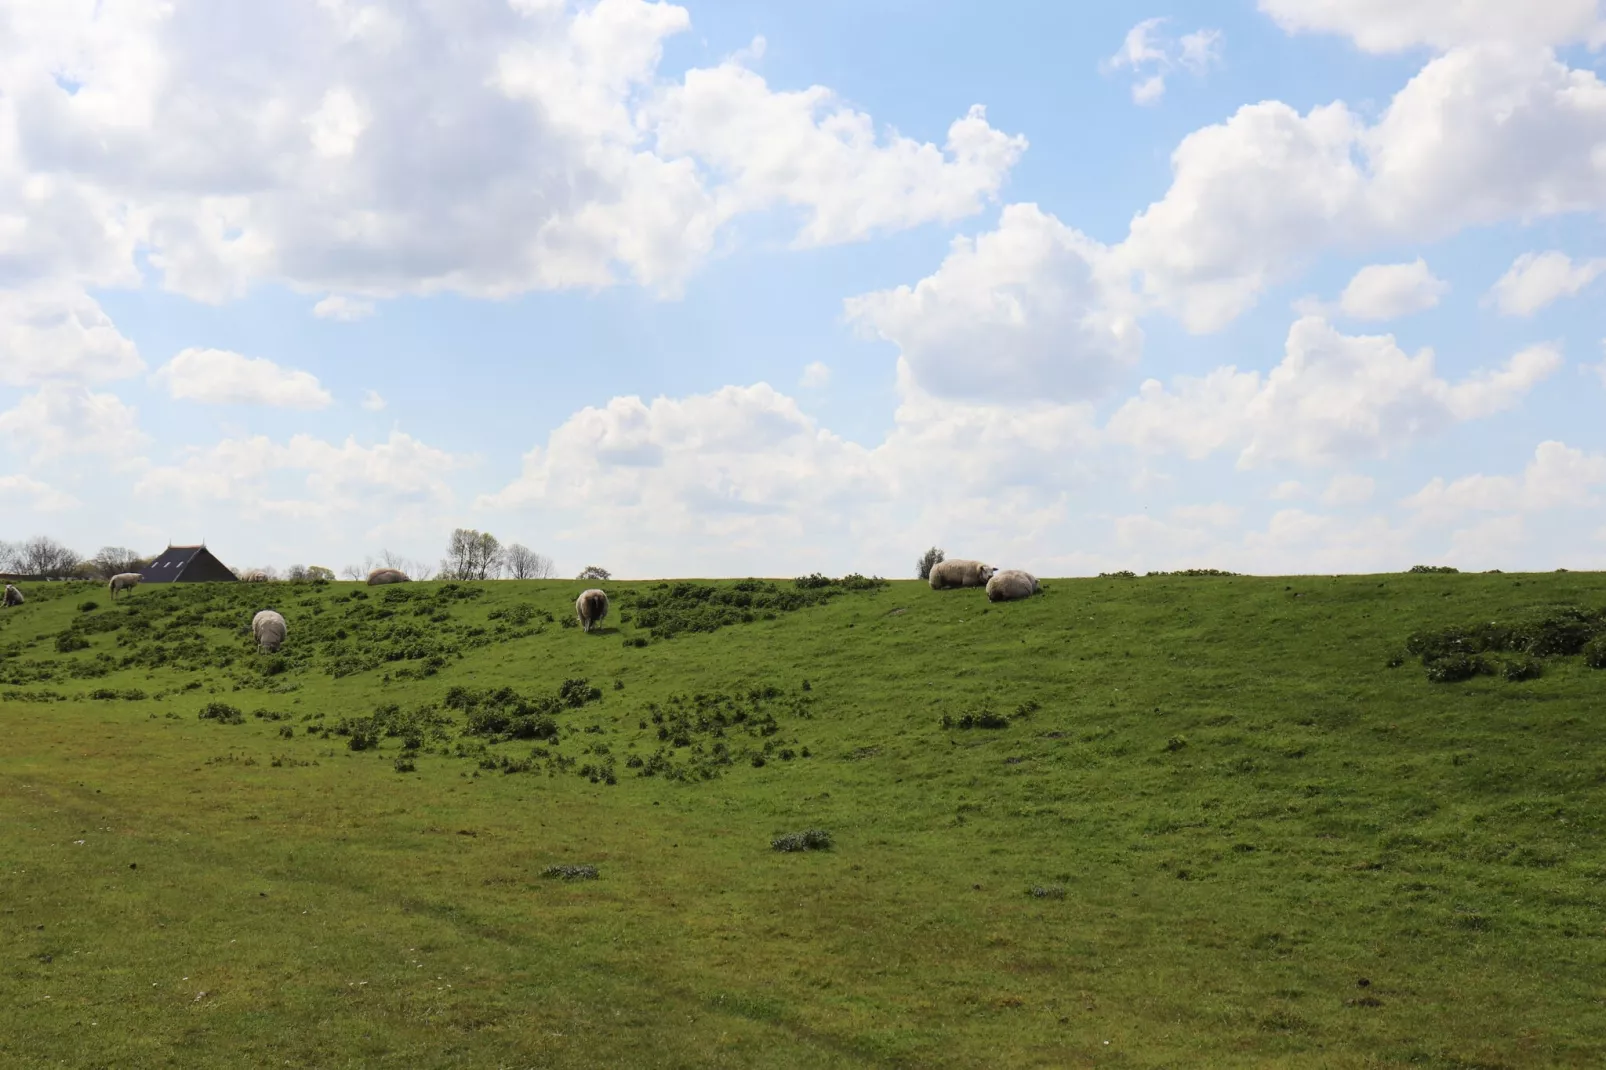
x,y
470,555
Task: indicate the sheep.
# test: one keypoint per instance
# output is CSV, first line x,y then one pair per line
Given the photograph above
x,y
1011,584
123,581
958,572
591,607
267,627
13,597
387,575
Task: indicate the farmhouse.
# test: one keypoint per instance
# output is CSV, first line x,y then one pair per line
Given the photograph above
x,y
186,564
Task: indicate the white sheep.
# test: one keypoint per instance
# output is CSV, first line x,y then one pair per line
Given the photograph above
x,y
123,581
1011,584
387,575
591,607
959,572
13,597
267,627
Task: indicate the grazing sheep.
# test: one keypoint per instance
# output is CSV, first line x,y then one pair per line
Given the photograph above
x,y
256,575
13,596
958,572
123,581
387,575
592,606
1010,585
267,627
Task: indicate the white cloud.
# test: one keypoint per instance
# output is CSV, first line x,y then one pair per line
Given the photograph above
x,y
1288,490
373,402
60,332
1390,291
816,376
219,377
1033,310
307,478
341,149
1151,57
1480,135
743,479
25,492
68,420
1535,280
343,308
1398,25
1334,398
1559,476
1349,490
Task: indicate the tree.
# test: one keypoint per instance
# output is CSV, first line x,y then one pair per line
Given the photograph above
x,y
354,572
472,555
592,572
927,561
523,563
44,556
296,573
110,561
8,556
318,572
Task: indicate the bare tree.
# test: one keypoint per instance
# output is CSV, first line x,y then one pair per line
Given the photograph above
x,y
109,561
354,572
472,555
928,560
44,556
523,563
418,570
296,573
592,572
9,553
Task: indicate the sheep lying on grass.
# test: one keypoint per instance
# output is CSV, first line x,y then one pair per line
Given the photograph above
x,y
123,581
387,575
267,627
959,572
13,597
1010,585
591,606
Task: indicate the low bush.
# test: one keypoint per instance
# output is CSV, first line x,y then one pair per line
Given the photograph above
x,y
89,606
1433,569
1046,891
570,873
222,713
807,840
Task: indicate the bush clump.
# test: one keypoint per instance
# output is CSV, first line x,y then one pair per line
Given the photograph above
x,y
982,718
570,873
1124,574
89,606
1453,654
807,840
1443,569
1516,670
1194,572
222,713
1046,891
67,642
1595,653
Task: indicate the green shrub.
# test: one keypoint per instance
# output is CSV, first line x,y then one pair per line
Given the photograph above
x,y
1454,668
982,718
570,873
807,840
1046,891
89,606
67,642
222,713
1517,670
1433,569
1595,653
404,764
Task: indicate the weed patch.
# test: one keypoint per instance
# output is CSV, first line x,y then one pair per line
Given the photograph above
x,y
807,840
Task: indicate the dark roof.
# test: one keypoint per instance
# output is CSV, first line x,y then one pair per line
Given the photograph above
x,y
186,564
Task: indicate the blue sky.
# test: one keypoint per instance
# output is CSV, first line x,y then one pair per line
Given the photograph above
x,y
748,288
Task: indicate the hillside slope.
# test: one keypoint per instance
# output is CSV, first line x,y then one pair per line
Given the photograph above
x,y
1166,821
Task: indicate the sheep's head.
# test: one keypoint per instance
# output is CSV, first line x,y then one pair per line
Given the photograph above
x,y
988,571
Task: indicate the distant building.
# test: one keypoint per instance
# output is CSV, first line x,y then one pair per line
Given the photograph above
x,y
186,564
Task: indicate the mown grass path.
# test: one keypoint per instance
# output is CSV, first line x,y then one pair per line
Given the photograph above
x,y
1254,843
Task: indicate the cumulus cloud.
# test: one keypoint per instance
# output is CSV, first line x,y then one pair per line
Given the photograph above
x,y
342,150
343,308
25,492
219,377
1397,25
62,420
373,402
816,376
1151,56
59,332
1536,280
743,478
1334,398
1482,134
308,478
1559,476
1032,310
1390,291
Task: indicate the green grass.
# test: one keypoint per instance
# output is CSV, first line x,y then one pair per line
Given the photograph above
x,y
1149,822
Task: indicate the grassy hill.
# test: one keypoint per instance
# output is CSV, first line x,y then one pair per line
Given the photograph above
x,y
1166,821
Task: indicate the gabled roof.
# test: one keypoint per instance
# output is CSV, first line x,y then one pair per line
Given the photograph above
x,y
191,563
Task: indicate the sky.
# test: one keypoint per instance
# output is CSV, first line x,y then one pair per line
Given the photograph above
x,y
753,287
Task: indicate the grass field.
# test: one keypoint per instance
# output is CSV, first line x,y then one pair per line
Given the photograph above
x,y
1209,826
